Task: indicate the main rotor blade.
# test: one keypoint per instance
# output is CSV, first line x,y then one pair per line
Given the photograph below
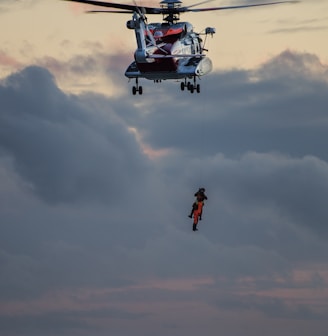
x,y
133,8
154,10
198,4
109,11
237,7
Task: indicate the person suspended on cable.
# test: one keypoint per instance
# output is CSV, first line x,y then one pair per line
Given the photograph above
x,y
200,195
197,207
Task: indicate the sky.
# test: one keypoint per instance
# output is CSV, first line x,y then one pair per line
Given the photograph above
x,y
96,184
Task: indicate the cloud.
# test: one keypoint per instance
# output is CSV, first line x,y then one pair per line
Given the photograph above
x,y
271,307
262,110
90,65
94,228
294,189
300,29
8,5
85,72
56,144
8,61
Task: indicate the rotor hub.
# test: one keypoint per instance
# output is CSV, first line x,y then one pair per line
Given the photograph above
x,y
171,8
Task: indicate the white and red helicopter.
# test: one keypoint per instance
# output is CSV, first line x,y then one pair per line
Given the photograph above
x,y
170,49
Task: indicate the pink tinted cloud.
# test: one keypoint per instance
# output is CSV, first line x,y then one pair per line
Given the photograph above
x,y
303,287
9,61
81,299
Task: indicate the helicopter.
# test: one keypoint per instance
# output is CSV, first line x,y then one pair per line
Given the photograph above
x,y
169,49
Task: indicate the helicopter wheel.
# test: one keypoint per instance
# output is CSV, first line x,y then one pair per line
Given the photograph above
x,y
182,86
198,88
191,89
136,88
189,86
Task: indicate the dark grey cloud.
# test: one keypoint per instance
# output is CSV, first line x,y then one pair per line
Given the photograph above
x,y
279,107
86,216
52,323
271,307
56,143
278,111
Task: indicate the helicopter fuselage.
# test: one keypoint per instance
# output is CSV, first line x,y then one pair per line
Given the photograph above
x,y
167,51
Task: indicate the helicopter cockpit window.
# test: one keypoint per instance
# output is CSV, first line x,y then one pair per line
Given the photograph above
x,y
158,34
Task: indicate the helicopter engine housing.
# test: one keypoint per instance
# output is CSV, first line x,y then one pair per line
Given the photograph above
x,y
131,24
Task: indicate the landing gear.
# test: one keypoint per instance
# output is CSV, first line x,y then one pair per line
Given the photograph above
x,y
192,87
137,88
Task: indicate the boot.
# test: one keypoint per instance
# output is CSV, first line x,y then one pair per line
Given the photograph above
x,y
194,227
